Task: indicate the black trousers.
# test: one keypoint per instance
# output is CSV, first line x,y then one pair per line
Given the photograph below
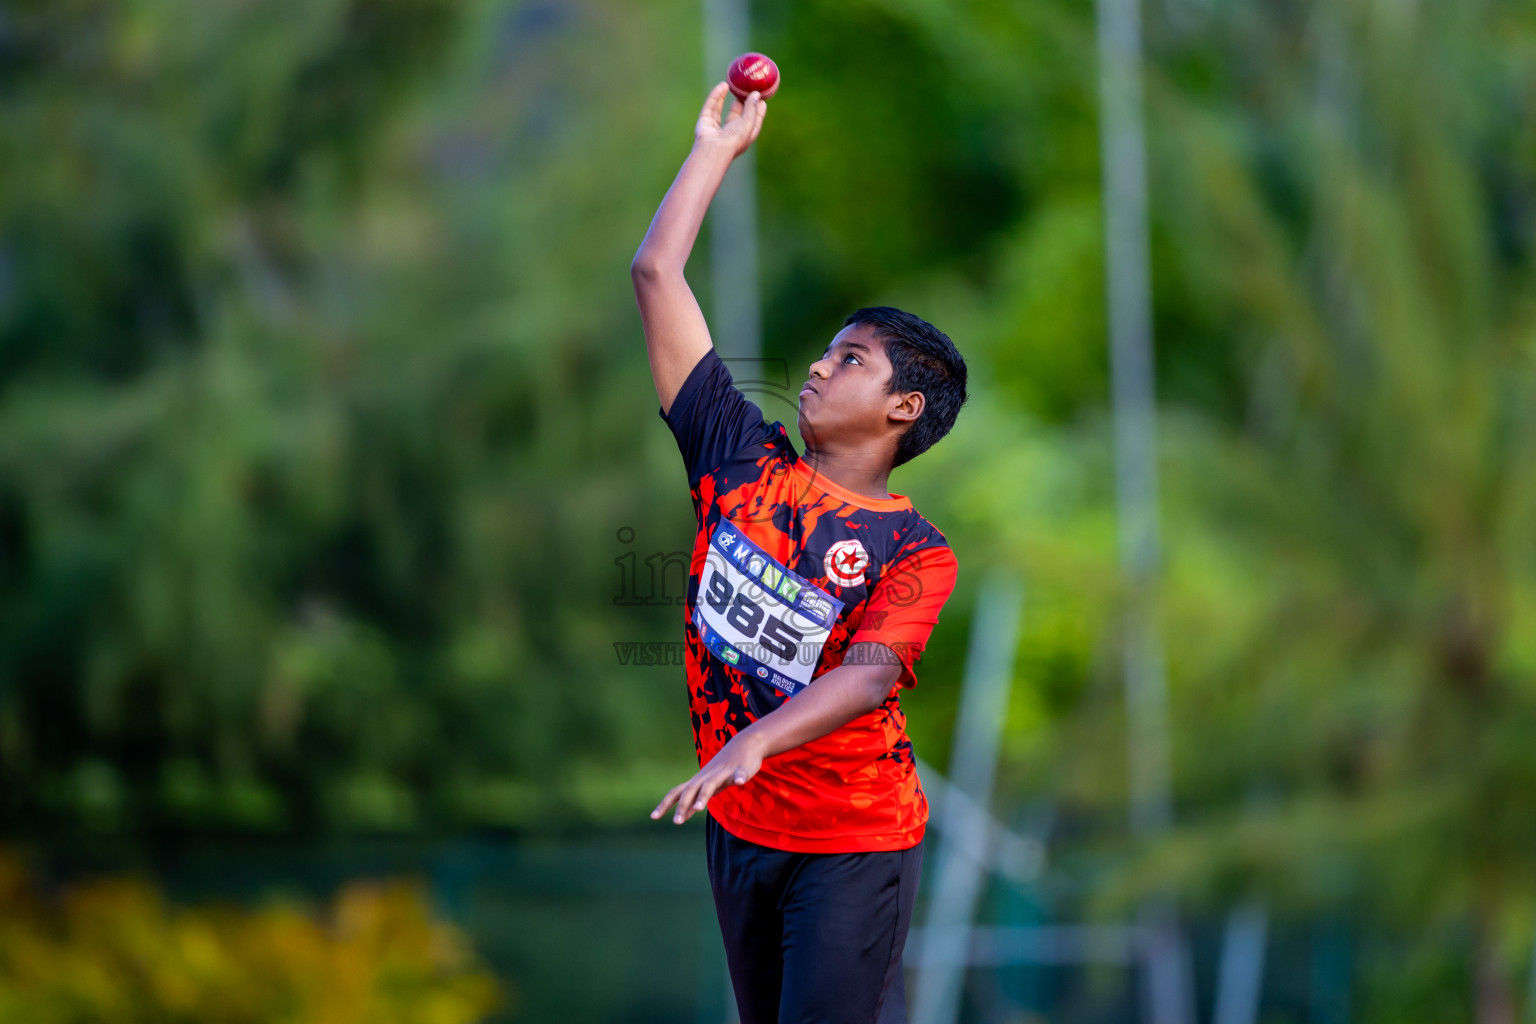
x,y
813,938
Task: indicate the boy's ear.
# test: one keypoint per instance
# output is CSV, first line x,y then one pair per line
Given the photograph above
x,y
907,408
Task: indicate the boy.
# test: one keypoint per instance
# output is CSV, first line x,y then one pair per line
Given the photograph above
x,y
803,569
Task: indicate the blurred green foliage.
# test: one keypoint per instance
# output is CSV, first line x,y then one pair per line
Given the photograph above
x,y
325,428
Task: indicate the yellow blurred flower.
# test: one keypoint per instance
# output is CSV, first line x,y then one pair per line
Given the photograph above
x,y
116,950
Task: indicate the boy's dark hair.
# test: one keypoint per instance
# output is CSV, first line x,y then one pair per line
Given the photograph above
x,y
922,359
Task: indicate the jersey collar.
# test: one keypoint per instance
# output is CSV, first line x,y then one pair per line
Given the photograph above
x,y
894,503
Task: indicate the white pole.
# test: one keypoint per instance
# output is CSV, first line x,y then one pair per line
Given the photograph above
x,y
736,330
1241,977
737,323
1123,157
964,834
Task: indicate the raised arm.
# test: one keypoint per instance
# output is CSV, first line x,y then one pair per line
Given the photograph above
x,y
676,336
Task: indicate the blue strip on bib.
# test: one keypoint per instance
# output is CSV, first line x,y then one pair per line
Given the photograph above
x,y
782,584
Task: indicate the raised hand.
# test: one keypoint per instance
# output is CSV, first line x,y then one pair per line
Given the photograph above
x,y
741,124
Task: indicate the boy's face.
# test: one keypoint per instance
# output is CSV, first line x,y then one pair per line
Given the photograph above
x,y
845,399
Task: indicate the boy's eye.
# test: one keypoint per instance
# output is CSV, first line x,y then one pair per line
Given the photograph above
x,y
849,356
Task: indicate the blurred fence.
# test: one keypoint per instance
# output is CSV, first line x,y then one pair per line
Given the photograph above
x,y
619,927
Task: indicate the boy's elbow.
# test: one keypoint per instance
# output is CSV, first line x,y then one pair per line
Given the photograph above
x,y
878,681
878,666
645,268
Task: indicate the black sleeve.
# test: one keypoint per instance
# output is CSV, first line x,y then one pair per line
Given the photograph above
x,y
711,419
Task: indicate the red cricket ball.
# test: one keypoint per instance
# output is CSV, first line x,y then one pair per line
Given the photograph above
x,y
752,71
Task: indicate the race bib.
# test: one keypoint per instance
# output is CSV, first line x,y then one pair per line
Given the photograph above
x,y
757,615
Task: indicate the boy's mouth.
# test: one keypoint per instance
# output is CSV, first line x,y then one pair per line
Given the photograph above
x,y
807,389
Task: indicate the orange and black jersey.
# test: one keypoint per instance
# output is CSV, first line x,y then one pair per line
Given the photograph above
x,y
788,570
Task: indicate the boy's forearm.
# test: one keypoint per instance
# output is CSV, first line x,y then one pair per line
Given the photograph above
x,y
855,688
676,225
